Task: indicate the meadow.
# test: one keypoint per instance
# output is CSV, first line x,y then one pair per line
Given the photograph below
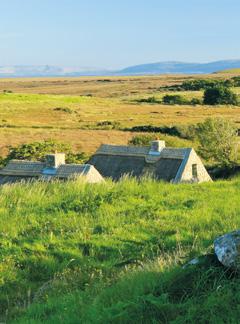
x,y
74,110
113,252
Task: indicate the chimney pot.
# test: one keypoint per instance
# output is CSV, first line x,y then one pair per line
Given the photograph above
x,y
55,160
157,146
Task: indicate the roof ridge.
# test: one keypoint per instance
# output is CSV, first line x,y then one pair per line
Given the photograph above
x,y
140,151
26,161
143,146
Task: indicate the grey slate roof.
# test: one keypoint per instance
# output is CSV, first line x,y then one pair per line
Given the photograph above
x,y
17,170
115,161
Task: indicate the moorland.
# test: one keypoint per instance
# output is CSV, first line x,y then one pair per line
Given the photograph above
x,y
112,252
88,111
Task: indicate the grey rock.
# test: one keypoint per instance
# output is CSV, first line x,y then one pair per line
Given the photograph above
x,y
191,262
205,261
227,249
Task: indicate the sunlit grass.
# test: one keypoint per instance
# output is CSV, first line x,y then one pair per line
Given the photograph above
x,y
80,238
33,117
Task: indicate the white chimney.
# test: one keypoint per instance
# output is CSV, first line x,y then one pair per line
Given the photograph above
x,y
55,160
156,147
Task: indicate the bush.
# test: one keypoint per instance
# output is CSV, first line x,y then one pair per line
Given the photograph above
x,y
36,151
196,101
171,141
7,91
219,96
142,140
170,130
183,131
217,139
174,100
151,100
107,124
236,81
201,84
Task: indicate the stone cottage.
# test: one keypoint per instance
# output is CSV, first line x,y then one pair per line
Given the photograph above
x,y
167,164
54,167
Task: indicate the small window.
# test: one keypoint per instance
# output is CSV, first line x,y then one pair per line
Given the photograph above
x,y
194,171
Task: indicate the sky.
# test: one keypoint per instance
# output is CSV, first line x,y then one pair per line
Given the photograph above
x,y
112,34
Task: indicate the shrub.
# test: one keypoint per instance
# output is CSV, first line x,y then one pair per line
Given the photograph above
x,y
7,91
107,124
174,100
170,130
142,140
217,139
36,151
202,84
196,101
236,81
146,139
183,131
151,100
219,96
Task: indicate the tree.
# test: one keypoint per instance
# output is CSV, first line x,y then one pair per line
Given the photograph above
x,y
219,95
218,140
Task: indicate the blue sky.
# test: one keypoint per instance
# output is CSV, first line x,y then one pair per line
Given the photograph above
x,y
117,33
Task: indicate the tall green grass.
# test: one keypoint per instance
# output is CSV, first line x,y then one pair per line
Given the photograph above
x,y
112,252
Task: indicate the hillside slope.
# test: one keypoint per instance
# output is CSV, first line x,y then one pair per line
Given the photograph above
x,y
112,253
180,67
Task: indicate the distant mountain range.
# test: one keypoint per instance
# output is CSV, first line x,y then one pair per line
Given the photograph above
x,y
143,69
181,67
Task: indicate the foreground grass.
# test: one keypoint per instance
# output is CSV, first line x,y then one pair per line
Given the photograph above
x,y
72,252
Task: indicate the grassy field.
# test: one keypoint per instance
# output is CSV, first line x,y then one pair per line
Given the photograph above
x,y
104,87
70,110
113,253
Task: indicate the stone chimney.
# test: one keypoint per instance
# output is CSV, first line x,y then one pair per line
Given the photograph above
x,y
55,160
156,147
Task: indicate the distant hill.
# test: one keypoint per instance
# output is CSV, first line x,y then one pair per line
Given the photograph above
x,y
142,69
29,71
46,71
181,67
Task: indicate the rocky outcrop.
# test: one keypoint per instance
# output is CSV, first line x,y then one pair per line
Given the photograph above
x,y
227,249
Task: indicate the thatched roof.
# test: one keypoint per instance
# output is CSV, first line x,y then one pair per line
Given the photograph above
x,y
115,166
164,164
23,168
17,170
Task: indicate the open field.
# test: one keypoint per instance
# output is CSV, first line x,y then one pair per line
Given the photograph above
x,y
101,86
69,110
112,253
96,86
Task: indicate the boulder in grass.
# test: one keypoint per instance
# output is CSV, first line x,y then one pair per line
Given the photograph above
x,y
227,249
205,261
